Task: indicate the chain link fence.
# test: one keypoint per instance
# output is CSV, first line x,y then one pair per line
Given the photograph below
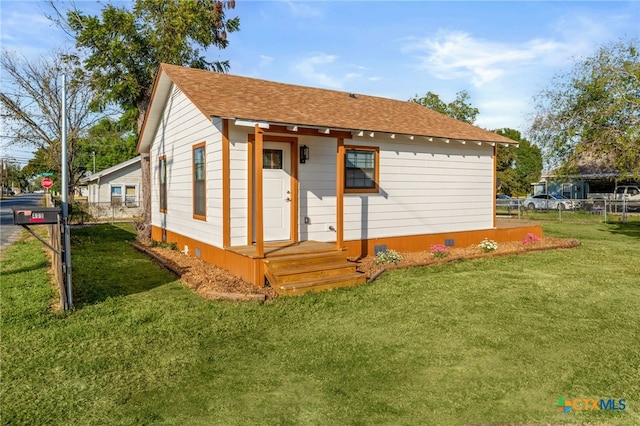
x,y
563,209
84,212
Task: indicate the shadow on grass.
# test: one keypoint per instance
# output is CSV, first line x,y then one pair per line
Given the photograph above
x,y
105,265
628,229
34,267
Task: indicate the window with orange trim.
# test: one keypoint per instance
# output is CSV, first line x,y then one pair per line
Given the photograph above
x,y
199,182
162,196
361,169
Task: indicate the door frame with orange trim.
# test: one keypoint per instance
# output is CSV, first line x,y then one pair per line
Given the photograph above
x,y
293,209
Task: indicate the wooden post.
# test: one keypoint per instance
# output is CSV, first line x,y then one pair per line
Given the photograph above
x,y
295,187
250,156
340,194
495,184
258,191
226,186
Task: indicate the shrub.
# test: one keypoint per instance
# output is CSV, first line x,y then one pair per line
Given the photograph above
x,y
171,246
530,239
488,246
388,256
439,251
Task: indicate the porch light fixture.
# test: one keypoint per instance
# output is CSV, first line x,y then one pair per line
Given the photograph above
x,y
304,153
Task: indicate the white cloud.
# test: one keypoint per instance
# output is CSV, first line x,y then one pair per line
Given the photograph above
x,y
265,61
304,10
24,28
324,70
308,68
457,55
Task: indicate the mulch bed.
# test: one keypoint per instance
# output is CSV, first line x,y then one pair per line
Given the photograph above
x,y
426,258
213,282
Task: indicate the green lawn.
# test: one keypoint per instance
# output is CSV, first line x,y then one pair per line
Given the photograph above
x,y
496,340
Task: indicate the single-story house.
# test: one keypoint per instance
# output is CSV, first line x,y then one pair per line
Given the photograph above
x,y
592,178
116,191
248,174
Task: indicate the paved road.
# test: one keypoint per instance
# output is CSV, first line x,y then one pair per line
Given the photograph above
x,y
9,232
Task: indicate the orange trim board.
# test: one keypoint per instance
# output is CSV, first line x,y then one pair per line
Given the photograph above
x,y
413,243
252,270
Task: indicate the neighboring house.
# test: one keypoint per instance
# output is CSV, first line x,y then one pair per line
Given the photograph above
x,y
593,178
245,171
116,191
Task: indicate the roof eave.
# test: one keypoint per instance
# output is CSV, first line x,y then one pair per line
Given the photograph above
x,y
293,127
159,97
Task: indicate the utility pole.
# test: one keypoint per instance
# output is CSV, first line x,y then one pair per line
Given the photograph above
x,y
65,200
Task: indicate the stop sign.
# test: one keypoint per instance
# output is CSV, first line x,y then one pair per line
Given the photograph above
x,y
47,183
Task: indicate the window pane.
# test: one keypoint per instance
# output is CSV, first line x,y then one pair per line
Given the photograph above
x,y
198,163
198,202
116,195
360,169
163,184
199,181
163,171
272,159
130,195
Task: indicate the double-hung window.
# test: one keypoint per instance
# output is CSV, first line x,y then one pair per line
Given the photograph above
x,y
116,195
199,182
361,169
130,196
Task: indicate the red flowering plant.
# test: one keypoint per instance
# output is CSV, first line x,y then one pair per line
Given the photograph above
x,y
439,251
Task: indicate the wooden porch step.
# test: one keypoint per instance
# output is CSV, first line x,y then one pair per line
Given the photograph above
x,y
296,274
309,272
327,283
305,260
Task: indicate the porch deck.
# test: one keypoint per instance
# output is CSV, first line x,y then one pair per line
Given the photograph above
x,y
285,248
298,267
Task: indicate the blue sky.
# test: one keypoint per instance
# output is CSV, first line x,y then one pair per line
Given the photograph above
x,y
502,53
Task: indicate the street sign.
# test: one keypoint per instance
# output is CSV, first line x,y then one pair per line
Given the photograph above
x,y
47,183
46,174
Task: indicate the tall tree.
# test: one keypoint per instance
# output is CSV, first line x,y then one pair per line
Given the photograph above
x,y
31,106
518,167
459,108
11,176
593,111
108,143
125,47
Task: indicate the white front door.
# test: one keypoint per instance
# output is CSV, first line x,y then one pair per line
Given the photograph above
x,y
276,190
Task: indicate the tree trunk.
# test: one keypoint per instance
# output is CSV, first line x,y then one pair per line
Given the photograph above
x,y
144,227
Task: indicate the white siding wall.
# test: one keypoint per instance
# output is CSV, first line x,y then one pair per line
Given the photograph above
x,y
425,187
181,127
238,158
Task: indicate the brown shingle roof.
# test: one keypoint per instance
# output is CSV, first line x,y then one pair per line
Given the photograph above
x,y
225,95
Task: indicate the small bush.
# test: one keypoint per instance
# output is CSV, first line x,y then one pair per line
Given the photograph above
x,y
388,256
160,244
530,238
439,251
488,246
